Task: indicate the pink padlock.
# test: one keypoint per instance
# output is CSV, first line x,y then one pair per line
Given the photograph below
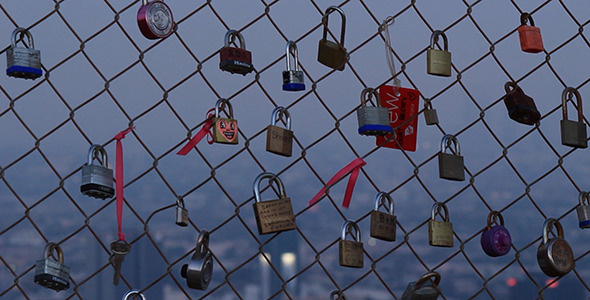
x,y
155,19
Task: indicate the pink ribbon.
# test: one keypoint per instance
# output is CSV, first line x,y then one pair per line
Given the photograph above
x,y
206,130
119,181
354,168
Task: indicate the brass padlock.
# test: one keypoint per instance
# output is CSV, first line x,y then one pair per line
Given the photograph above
x,y
225,130
350,253
383,224
521,108
530,36
181,213
440,233
430,115
426,288
438,62
274,215
555,256
583,210
450,165
573,133
292,78
50,273
337,295
23,62
199,271
373,120
333,54
279,140
97,180
135,294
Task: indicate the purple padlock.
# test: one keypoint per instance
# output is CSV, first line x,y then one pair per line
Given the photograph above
x,y
495,240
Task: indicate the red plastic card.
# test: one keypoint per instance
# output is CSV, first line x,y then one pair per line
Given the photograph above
x,y
403,110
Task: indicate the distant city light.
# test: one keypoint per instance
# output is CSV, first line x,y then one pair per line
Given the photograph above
x,y
511,281
372,242
288,259
552,283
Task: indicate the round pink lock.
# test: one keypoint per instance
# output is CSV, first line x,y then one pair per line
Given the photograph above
x,y
155,19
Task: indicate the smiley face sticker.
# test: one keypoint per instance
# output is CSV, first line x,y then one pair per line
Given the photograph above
x,y
226,131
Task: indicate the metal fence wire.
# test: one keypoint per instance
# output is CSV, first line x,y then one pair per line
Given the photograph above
x,y
101,75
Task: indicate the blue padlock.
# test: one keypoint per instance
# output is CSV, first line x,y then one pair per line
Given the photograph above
x,y
292,79
23,62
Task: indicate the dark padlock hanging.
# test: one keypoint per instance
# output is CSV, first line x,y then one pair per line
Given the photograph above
x,y
274,215
583,211
181,213
199,270
235,60
97,180
529,35
292,78
555,256
426,288
23,62
450,165
50,273
337,295
495,240
350,253
333,54
430,115
373,120
279,140
155,19
133,294
383,224
225,130
521,108
440,233
573,133
438,62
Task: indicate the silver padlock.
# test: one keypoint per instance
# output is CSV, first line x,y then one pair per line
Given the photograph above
x,y
554,255
97,180
292,79
583,210
372,120
573,133
450,165
438,62
50,273
430,115
23,62
135,294
424,289
337,295
199,270
181,213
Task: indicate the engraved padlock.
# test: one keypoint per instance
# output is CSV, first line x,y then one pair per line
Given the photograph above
x,y
225,130
521,108
450,165
181,213
555,256
573,133
333,54
529,35
23,62
426,288
440,233
438,62
97,179
135,294
372,120
583,210
495,240
292,78
155,19
50,273
350,253
383,224
274,215
199,270
430,115
232,59
337,295
279,140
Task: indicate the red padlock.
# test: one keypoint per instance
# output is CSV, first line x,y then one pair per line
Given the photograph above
x,y
235,60
530,36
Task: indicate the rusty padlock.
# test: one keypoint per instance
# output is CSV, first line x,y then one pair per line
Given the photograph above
x,y
450,165
333,54
529,35
225,130
350,253
440,233
555,256
274,215
279,140
573,133
235,60
383,224
521,108
438,62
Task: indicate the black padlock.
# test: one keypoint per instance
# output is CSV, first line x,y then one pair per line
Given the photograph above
x,y
199,271
521,108
573,133
450,165
423,289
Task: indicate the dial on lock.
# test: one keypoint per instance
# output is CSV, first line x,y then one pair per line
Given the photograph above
x,y
155,19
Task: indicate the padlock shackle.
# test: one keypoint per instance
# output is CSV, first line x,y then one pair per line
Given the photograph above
x,y
513,85
234,33
133,292
428,104
524,17
422,280
334,295
291,49
202,243
436,210
93,152
23,31
347,227
434,39
447,141
548,225
329,10
584,196
380,201
180,202
221,104
277,113
49,249
370,92
564,97
271,178
494,217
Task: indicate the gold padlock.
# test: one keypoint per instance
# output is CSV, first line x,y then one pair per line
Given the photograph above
x,y
225,130
438,62
383,223
333,54
279,140
350,253
440,233
274,215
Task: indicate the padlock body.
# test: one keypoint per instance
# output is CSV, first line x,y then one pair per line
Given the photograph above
x,y
430,116
235,60
293,80
23,62
383,225
438,62
279,140
350,254
331,54
52,274
573,134
440,233
373,120
521,108
225,130
583,216
496,241
424,292
97,181
198,272
181,216
155,20
530,39
555,257
450,167
274,216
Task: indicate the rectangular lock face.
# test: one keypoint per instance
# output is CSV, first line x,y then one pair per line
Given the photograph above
x,y
451,167
52,274
373,120
440,233
430,116
235,60
332,55
274,216
383,225
225,130
438,62
573,134
583,216
279,140
530,39
181,216
23,63
350,254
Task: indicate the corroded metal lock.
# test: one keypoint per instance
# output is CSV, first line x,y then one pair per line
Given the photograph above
x,y
373,120
555,256
430,115
337,295
573,133
97,180
181,213
521,108
135,294
529,35
333,54
279,140
438,62
450,165
235,60
440,233
23,62
274,215
50,273
350,253
199,270
383,224
495,240
292,78
155,19
583,210
426,288
225,130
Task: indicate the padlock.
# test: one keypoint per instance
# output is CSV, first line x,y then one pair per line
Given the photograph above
x,y
426,288
373,120
333,54
530,36
573,133
440,233
438,62
430,115
495,240
279,140
135,294
521,108
583,210
383,224
225,130
181,213
350,253
155,19
555,256
50,273
23,62
292,78
235,60
97,180
274,215
199,270
450,165
337,295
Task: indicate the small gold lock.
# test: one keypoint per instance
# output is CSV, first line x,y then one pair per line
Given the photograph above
x,y
440,233
383,224
438,62
279,140
350,252
274,215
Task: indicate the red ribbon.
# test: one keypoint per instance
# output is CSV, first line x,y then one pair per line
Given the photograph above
x,y
354,168
206,130
119,181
